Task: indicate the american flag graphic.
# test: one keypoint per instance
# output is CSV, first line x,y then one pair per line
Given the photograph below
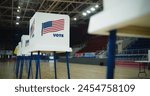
x,y
53,26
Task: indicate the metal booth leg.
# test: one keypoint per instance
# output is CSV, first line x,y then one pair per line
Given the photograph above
x,y
30,62
22,65
37,65
111,55
17,66
26,63
40,70
55,67
68,67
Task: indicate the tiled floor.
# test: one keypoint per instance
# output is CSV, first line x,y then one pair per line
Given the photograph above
x,y
78,71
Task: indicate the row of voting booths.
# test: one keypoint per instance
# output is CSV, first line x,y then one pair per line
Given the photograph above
x,y
50,32
47,33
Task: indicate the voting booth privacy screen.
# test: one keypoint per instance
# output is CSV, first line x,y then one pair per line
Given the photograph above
x,y
25,44
127,16
49,32
19,50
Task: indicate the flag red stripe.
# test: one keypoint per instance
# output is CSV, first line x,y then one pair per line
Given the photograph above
x,y
57,25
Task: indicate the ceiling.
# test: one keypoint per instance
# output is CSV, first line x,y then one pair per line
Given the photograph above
x,y
10,33
74,8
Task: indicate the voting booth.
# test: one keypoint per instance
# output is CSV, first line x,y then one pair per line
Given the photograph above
x,y
19,63
129,18
16,50
19,51
25,45
49,32
23,55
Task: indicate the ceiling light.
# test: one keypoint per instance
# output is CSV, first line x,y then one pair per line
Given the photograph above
x,y
88,11
18,10
17,23
96,6
84,14
18,7
74,19
92,9
18,17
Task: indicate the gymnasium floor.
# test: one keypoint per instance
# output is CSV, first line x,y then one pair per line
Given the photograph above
x,y
78,71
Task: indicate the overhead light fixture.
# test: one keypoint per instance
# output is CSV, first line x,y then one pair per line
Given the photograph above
x,y
96,6
88,11
17,23
92,9
18,10
84,14
74,19
18,7
18,17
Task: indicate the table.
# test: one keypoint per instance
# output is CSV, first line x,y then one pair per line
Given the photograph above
x,y
144,63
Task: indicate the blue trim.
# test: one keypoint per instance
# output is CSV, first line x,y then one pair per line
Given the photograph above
x,y
68,67
111,55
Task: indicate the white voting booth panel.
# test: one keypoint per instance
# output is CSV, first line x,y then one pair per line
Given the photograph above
x,y
19,51
16,50
25,45
121,14
49,32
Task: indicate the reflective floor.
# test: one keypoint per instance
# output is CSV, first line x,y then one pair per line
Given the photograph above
x,y
78,71
7,70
